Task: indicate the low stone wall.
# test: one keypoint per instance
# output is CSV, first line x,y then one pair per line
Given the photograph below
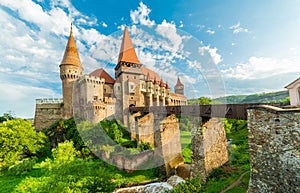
x,y
46,114
274,139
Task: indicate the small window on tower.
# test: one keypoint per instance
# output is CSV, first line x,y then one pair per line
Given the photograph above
x,y
134,77
131,86
119,88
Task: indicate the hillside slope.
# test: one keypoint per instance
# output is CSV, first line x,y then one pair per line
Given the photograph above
x,y
272,97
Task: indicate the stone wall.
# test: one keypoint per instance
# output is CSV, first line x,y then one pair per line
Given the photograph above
x,y
46,114
209,146
274,136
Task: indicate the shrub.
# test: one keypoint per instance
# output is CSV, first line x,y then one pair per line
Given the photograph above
x,y
190,186
22,167
68,173
145,146
19,140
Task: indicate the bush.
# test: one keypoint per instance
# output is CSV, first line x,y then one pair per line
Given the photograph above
x,y
68,173
145,146
22,167
190,186
19,140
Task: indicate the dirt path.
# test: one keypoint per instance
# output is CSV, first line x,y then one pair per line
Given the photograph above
x,y
237,182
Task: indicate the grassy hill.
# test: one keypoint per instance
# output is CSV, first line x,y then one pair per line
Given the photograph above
x,y
272,97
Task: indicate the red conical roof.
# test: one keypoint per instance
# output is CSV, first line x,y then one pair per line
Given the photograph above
x,y
127,52
178,82
71,55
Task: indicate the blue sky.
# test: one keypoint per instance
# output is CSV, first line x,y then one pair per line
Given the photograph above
x,y
217,47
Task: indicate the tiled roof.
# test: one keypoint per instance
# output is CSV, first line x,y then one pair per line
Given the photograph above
x,y
71,54
152,75
127,52
101,73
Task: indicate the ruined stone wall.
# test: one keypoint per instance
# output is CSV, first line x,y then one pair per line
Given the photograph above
x,y
274,136
209,146
167,141
47,114
145,130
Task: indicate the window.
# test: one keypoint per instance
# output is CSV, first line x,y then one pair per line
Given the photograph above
x,y
131,86
119,88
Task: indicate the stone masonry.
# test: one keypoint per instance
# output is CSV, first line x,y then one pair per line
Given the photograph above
x,y
47,112
274,136
209,147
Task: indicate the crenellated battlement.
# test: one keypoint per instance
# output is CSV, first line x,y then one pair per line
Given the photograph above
x,y
49,101
91,79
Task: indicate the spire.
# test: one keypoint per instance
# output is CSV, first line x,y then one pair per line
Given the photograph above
x,y
178,82
167,85
148,77
127,52
71,54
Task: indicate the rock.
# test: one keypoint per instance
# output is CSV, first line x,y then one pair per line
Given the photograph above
x,y
157,187
184,171
175,180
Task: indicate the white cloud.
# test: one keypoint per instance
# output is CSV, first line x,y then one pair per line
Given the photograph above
x,y
181,24
104,24
210,31
217,58
169,31
141,15
21,98
261,67
236,28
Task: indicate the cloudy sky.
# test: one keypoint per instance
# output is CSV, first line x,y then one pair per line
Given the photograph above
x,y
217,47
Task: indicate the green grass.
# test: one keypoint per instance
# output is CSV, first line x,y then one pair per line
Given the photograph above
x,y
185,138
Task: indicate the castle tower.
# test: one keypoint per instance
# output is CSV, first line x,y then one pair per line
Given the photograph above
x,y
128,71
179,87
70,70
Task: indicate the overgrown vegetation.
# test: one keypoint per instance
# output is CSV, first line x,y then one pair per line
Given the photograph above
x,y
19,140
220,178
28,165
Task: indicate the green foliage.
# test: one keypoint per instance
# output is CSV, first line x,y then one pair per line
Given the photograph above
x,y
186,154
237,131
22,167
19,140
201,101
272,97
145,145
63,130
190,186
67,173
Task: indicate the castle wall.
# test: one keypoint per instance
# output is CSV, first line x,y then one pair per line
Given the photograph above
x,y
209,146
47,112
274,139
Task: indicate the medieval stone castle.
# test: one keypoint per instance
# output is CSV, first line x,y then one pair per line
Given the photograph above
x,y
97,95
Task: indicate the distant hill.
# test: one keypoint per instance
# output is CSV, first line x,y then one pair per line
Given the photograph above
x,y
272,97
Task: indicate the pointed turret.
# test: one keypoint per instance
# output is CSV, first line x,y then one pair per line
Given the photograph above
x,y
178,82
179,87
127,52
70,71
71,56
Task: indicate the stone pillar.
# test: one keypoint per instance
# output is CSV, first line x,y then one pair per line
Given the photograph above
x,y
133,125
167,142
209,146
145,128
274,139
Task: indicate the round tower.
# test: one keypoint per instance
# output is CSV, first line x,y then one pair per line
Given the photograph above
x,y
179,87
70,71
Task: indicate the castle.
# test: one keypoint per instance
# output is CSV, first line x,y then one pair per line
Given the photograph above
x,y
97,95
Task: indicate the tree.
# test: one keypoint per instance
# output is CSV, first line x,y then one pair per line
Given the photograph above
x,y
18,140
